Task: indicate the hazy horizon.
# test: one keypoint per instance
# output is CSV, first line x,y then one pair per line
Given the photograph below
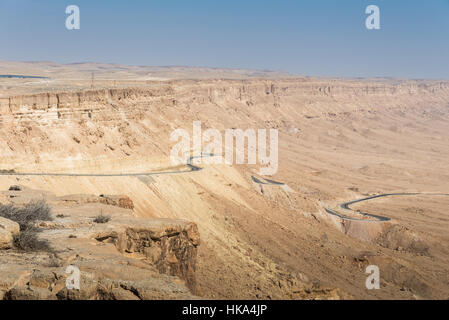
x,y
321,38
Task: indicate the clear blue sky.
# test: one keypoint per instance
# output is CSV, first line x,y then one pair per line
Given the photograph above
x,y
314,37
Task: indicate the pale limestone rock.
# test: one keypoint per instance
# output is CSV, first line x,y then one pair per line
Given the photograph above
x,y
6,239
126,258
9,225
8,229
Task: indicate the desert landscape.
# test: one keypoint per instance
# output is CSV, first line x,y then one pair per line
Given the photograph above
x,y
88,147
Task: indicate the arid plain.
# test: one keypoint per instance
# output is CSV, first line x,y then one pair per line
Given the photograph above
x,y
229,236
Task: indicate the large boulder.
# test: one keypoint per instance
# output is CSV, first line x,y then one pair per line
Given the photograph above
x,y
6,239
8,229
117,200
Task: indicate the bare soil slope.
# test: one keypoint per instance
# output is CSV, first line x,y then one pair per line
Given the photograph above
x,y
338,140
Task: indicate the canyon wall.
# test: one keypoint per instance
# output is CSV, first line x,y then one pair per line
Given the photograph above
x,y
338,140
48,108
136,123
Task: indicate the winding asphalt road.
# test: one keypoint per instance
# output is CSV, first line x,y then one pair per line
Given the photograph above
x,y
346,206
268,181
191,167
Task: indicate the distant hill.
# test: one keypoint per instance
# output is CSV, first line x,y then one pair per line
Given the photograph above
x,y
106,71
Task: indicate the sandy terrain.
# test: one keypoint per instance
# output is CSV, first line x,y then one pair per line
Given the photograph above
x,y
77,76
339,140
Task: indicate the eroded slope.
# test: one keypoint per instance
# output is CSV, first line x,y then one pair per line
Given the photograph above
x,y
339,140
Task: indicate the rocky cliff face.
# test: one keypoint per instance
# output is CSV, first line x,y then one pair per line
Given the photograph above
x,y
123,258
137,122
49,108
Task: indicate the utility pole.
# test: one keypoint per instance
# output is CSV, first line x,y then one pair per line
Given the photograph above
x,y
92,83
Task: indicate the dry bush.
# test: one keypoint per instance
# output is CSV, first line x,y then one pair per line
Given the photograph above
x,y
102,219
26,216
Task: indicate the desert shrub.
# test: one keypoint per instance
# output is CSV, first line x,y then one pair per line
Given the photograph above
x,y
28,241
26,216
53,262
102,219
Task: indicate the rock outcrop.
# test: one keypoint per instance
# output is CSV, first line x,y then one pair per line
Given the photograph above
x,y
121,201
123,258
8,229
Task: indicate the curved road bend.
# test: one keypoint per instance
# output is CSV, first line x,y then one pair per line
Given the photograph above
x,y
191,167
346,206
268,181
